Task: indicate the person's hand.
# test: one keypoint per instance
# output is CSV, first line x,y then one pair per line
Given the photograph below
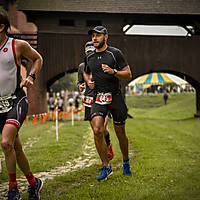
x,y
28,82
81,87
107,69
91,84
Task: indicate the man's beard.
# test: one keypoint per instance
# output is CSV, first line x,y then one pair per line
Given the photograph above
x,y
101,44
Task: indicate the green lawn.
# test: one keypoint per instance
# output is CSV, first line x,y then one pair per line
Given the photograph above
x,y
164,152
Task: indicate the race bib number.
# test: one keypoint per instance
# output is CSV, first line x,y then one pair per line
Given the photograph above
x,y
88,101
103,98
5,104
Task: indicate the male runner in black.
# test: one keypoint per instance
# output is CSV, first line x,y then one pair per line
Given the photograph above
x,y
14,106
107,65
88,99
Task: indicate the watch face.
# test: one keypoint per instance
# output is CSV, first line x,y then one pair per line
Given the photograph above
x,y
115,71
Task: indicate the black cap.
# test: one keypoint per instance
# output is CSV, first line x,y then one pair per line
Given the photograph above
x,y
98,29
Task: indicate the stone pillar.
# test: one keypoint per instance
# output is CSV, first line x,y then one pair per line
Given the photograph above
x,y
197,101
37,96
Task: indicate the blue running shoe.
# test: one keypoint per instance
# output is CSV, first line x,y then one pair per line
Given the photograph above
x,y
126,169
34,190
13,195
106,171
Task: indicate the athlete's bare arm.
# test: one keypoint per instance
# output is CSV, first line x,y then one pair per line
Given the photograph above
x,y
23,48
123,74
88,80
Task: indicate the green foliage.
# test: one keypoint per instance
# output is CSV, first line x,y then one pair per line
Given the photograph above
x,y
68,82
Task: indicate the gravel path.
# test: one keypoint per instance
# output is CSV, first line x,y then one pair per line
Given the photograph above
x,y
88,158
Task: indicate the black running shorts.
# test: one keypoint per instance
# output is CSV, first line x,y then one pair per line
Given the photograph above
x,y
117,108
17,114
87,113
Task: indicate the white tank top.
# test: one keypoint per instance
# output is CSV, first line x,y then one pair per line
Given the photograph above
x,y
9,71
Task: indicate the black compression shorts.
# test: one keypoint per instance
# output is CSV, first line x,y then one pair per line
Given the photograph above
x,y
117,108
88,114
17,114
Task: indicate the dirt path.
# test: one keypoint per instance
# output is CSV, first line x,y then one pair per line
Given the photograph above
x,y
88,158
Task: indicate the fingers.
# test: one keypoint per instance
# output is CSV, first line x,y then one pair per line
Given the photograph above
x,y
81,87
106,69
29,82
91,84
26,83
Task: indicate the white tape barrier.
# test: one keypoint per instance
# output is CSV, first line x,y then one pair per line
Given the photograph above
x,y
56,124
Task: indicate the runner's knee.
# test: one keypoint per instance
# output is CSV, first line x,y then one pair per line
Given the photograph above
x,y
98,131
7,147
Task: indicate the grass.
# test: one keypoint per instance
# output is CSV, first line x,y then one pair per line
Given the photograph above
x,y
45,153
164,151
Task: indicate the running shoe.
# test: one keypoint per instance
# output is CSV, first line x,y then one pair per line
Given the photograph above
x,y
126,169
110,152
105,172
34,190
13,194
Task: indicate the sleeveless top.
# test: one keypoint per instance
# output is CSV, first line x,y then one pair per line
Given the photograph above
x,y
9,70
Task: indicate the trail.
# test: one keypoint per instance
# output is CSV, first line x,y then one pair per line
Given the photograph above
x,y
88,158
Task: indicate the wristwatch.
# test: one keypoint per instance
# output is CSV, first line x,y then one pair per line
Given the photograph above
x,y
115,71
32,76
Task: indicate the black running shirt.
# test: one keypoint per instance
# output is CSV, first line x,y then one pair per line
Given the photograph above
x,y
112,57
88,91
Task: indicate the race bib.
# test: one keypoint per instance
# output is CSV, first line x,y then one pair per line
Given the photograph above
x,y
88,101
5,104
103,98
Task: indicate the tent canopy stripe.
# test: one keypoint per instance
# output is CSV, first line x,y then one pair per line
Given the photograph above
x,y
142,79
157,78
148,80
160,78
154,79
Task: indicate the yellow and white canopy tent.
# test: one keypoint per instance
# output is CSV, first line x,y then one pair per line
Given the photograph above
x,y
155,78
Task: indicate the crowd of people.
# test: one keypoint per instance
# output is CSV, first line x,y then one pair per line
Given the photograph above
x,y
64,101
157,89
170,88
99,76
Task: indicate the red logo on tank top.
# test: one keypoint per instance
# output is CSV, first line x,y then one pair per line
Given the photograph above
x,y
5,50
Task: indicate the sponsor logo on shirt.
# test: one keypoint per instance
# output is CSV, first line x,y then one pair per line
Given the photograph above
x,y
5,50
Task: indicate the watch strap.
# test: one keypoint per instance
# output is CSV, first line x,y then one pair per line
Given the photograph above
x,y
32,76
115,71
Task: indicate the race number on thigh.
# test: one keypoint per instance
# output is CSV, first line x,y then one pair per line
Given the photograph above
x,y
5,104
103,98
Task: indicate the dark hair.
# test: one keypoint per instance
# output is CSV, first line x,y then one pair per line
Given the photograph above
x,y
4,20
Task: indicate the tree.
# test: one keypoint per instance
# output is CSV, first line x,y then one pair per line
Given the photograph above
x,y
67,82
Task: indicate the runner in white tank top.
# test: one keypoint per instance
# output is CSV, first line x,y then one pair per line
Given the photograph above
x,y
14,106
8,68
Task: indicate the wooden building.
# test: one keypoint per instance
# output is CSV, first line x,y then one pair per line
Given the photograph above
x,y
63,26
